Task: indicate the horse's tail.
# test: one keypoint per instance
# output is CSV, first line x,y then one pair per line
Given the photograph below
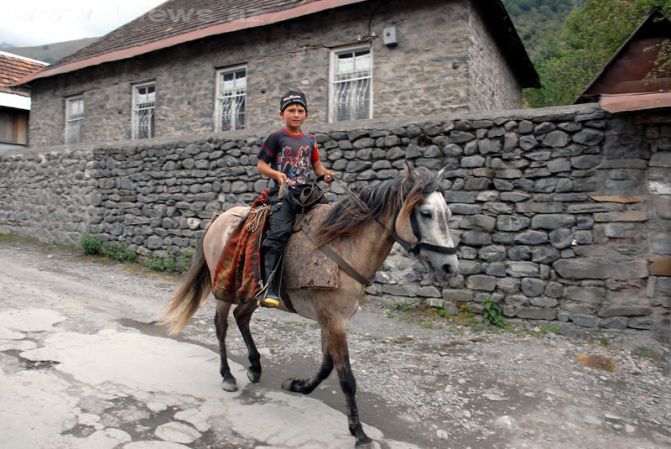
x,y
192,293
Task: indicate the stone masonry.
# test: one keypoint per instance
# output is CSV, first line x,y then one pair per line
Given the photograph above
x,y
560,214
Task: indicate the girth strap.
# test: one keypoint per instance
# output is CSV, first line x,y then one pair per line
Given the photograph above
x,y
334,256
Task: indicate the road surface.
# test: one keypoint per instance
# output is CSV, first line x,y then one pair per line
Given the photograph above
x,y
83,365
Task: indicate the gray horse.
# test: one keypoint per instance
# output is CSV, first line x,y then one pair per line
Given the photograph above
x,y
410,210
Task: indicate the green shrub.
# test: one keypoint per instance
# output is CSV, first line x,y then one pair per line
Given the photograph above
x,y
172,263
91,244
118,251
492,313
183,261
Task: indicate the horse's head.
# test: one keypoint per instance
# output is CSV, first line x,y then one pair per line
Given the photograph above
x,y
422,226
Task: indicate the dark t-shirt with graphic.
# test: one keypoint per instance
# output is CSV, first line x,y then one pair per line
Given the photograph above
x,y
292,154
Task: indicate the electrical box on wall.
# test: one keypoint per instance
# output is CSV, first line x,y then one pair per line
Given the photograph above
x,y
389,37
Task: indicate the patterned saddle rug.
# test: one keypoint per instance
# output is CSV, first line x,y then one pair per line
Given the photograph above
x,y
238,274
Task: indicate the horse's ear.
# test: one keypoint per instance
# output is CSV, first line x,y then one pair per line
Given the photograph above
x,y
441,173
409,173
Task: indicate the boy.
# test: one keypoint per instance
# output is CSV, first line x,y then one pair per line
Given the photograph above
x,y
288,156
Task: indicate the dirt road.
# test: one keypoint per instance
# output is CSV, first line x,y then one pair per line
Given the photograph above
x,y
78,339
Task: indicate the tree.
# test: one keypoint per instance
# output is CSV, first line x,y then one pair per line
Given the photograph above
x,y
590,36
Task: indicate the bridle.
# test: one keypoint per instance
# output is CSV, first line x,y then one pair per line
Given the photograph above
x,y
419,245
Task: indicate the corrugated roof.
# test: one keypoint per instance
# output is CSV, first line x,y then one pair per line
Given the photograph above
x,y
178,21
13,68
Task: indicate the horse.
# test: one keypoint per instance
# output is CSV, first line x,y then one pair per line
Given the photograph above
x,y
410,210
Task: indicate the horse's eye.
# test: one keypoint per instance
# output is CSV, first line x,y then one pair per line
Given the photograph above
x,y
425,213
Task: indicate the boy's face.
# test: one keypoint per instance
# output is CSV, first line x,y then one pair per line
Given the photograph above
x,y
294,116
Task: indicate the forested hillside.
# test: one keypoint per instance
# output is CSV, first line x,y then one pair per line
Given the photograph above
x,y
536,19
570,41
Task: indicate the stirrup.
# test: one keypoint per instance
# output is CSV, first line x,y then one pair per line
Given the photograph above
x,y
265,299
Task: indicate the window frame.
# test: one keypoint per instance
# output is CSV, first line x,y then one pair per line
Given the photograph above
x,y
67,135
333,60
216,119
134,108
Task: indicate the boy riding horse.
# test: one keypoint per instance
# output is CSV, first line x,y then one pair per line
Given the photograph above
x,y
288,156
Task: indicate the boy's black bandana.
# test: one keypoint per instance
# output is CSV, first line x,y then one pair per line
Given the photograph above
x,y
293,97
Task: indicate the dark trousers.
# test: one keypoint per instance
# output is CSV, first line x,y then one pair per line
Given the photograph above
x,y
280,227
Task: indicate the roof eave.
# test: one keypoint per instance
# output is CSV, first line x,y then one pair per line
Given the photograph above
x,y
228,27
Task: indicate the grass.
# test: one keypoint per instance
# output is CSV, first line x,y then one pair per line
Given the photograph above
x,y
93,245
9,238
170,263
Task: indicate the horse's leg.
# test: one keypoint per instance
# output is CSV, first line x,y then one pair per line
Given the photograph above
x,y
221,325
336,341
306,386
243,314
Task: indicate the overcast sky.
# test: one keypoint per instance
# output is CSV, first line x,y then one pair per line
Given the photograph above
x,y
36,22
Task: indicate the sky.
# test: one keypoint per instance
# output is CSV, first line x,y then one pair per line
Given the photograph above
x,y
36,22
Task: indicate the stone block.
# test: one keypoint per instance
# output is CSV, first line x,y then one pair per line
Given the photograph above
x,y
435,302
492,253
512,222
522,269
536,313
631,215
660,266
532,287
478,221
556,139
589,137
481,282
584,320
617,322
509,285
543,301
532,238
601,268
428,292
660,243
455,296
552,221
475,238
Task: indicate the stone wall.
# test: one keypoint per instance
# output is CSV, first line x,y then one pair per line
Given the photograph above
x,y
429,72
560,214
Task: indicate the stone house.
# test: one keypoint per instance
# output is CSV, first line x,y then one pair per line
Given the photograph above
x,y
197,66
15,101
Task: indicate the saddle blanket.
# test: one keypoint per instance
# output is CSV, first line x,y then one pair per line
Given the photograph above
x,y
238,275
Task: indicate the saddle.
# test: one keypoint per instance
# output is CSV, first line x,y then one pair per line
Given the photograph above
x,y
238,276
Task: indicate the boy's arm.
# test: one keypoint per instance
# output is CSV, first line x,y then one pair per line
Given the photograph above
x,y
265,169
320,170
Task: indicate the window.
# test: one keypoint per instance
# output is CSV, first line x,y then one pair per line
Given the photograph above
x,y
74,119
144,103
229,110
351,74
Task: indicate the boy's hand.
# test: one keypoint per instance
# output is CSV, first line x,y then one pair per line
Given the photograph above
x,y
281,178
328,178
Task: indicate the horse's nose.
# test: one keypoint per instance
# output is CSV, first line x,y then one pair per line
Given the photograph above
x,y
448,269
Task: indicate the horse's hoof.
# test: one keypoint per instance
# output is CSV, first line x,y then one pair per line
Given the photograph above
x,y
253,376
291,384
365,443
229,385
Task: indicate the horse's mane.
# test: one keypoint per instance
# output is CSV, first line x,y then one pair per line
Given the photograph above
x,y
347,215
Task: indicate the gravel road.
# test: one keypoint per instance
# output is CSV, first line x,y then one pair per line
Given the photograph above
x,y
421,379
